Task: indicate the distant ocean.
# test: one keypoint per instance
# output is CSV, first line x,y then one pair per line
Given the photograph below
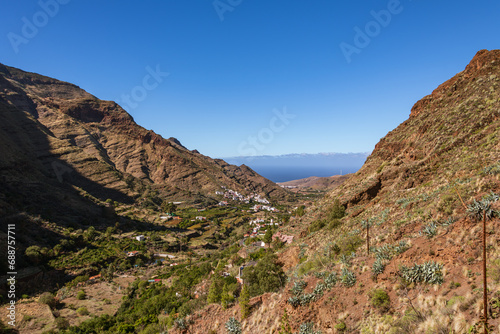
x,y
283,174
288,167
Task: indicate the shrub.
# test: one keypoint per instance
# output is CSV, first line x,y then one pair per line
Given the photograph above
x,y
233,326
380,299
82,311
334,223
62,323
319,289
81,295
307,298
181,323
78,279
48,299
349,243
346,259
317,225
341,326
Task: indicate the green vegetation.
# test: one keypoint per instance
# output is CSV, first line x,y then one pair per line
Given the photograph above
x,y
337,211
244,302
285,327
48,299
82,311
341,326
380,300
61,323
227,297
81,295
265,276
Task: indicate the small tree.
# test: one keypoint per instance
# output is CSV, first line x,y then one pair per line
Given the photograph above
x,y
300,211
213,293
34,253
337,210
244,302
226,297
169,207
268,237
482,209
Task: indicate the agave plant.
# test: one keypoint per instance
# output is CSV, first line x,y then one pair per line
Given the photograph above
x,y
319,289
308,328
348,278
298,287
307,298
331,280
233,326
429,272
430,230
294,301
378,267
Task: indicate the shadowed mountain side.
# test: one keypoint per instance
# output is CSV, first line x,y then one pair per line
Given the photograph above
x,y
102,141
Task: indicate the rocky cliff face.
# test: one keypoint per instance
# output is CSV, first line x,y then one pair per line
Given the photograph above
x,y
54,131
449,133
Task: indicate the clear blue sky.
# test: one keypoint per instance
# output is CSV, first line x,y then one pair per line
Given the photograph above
x,y
227,76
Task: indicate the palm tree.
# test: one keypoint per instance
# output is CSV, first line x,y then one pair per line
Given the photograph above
x,y
477,210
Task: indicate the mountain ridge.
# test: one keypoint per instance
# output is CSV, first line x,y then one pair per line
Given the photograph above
x,y
99,142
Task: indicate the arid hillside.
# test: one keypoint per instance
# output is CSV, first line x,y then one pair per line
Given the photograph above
x,y
421,271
